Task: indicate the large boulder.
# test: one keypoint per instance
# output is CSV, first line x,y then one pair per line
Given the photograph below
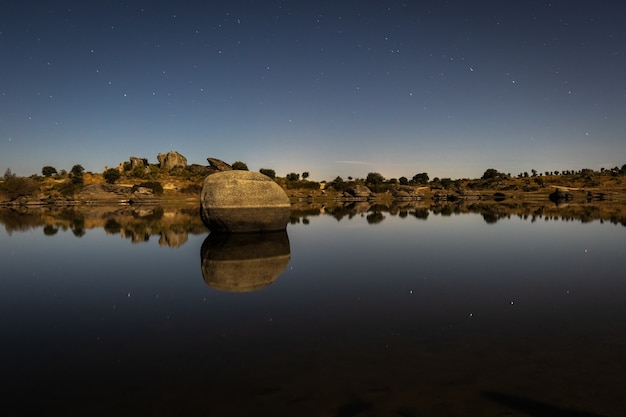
x,y
172,160
243,201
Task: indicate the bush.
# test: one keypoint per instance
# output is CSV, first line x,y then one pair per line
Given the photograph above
x,y
111,175
14,187
48,171
239,166
67,188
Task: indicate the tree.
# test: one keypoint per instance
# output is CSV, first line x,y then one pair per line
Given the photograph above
x,y
305,175
239,166
403,181
338,184
48,171
76,174
8,174
269,172
374,178
111,175
421,178
292,176
490,174
446,182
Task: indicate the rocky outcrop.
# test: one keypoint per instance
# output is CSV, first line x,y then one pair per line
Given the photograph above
x,y
559,196
172,160
200,169
243,201
219,165
407,193
359,191
138,162
244,262
104,193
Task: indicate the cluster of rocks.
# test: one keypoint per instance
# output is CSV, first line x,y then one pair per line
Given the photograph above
x,y
171,160
457,195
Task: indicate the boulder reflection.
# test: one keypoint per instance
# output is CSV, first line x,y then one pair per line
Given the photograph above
x,y
244,262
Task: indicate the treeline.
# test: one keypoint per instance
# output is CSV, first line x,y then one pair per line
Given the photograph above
x,y
70,182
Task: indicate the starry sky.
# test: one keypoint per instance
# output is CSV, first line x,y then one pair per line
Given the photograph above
x,y
334,88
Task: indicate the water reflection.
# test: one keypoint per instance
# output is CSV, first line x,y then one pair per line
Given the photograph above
x,y
492,212
172,225
244,262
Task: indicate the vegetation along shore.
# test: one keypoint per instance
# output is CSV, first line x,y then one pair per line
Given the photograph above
x,y
172,180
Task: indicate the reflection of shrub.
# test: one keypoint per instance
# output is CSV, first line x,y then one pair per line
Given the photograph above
x,y
375,217
50,230
112,226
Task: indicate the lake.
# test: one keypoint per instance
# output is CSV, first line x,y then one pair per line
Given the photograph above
x,y
361,310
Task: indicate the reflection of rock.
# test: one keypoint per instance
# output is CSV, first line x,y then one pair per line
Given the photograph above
x,y
244,262
173,239
243,201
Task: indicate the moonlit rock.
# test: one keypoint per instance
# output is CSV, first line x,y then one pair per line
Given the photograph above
x,y
243,201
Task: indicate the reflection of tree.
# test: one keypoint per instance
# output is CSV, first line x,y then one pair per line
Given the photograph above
x,y
50,230
138,224
375,217
492,211
112,226
421,213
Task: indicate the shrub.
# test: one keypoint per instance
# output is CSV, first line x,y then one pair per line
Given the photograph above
x,y
269,172
14,187
239,166
48,171
111,175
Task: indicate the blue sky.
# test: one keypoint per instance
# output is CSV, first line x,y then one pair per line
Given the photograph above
x,y
343,88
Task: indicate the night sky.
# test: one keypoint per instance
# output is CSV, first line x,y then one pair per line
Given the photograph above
x,y
343,88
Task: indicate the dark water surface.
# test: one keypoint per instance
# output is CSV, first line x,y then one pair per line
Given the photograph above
x,y
367,314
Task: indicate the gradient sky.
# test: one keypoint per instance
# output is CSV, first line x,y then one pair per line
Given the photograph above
x,y
344,88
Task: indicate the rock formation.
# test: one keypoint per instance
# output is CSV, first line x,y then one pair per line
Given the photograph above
x,y
219,165
559,196
138,162
359,191
243,201
171,160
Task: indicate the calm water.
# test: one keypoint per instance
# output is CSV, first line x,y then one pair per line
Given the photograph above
x,y
410,312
